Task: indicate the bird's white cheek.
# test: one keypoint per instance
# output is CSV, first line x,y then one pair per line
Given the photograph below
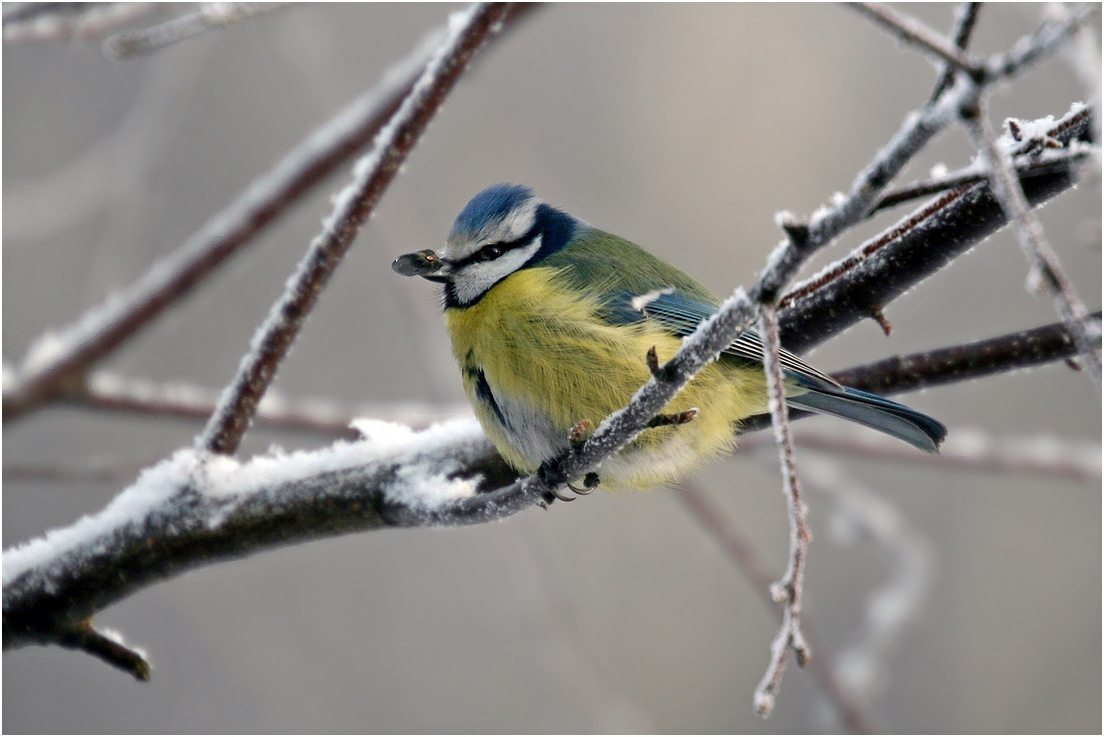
x,y
475,279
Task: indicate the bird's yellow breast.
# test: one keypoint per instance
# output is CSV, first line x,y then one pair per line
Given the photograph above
x,y
536,359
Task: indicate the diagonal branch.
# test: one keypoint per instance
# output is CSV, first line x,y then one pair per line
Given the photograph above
x,y
1041,257
881,269
71,352
209,17
916,33
354,204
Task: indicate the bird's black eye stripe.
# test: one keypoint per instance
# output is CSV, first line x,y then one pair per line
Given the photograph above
x,y
493,250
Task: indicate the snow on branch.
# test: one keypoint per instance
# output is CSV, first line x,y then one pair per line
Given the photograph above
x,y
197,508
884,267
204,506
468,32
1045,270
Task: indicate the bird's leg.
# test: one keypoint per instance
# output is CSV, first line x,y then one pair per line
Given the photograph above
x,y
551,472
579,434
679,418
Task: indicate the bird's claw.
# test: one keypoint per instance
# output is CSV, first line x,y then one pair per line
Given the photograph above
x,y
551,474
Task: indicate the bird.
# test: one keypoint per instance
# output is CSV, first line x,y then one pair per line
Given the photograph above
x,y
551,321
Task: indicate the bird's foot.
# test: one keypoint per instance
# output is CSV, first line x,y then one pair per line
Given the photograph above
x,y
552,474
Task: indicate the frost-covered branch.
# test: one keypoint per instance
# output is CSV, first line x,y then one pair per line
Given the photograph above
x,y
113,393
1045,270
741,551
916,33
468,32
198,508
209,17
58,361
881,269
1003,353
1027,165
68,21
861,668
919,127
964,19
788,590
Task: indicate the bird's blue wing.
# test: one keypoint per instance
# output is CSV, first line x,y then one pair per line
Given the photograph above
x,y
681,314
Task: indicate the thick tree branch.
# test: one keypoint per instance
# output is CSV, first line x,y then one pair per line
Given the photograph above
x,y
200,507
920,244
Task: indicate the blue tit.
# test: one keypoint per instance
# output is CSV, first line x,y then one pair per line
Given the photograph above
x,y
551,319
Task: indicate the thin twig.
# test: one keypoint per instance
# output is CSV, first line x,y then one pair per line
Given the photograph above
x,y
210,16
1043,260
788,590
1047,162
60,360
68,21
1043,42
113,393
109,647
965,17
914,32
854,287
862,666
354,205
740,550
958,363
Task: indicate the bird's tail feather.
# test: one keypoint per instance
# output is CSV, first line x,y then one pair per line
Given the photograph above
x,y
879,413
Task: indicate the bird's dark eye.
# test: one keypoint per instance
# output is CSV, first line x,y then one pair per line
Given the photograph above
x,y
490,253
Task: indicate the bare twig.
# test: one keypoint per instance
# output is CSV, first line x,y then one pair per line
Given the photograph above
x,y
919,244
861,667
109,647
965,17
59,361
743,554
68,21
1040,44
113,393
914,32
1042,259
211,16
788,590
354,205
1003,353
1045,162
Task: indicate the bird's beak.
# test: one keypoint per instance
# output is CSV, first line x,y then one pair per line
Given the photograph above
x,y
419,263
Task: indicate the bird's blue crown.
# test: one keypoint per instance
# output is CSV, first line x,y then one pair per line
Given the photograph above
x,y
493,203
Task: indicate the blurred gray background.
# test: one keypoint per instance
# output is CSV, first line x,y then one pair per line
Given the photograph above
x,y
681,127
